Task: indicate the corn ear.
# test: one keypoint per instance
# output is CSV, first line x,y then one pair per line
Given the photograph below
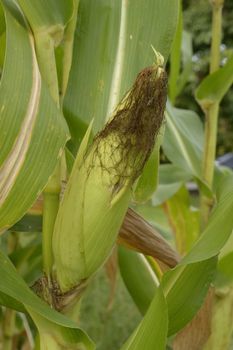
x,y
99,189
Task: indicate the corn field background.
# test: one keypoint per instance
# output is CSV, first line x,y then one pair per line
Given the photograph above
x,y
104,244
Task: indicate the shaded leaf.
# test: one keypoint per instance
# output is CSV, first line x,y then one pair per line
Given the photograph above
x,y
197,332
2,21
175,59
187,54
183,219
171,179
183,140
122,49
15,287
50,16
214,86
11,303
147,182
57,337
138,277
28,223
219,227
185,288
28,114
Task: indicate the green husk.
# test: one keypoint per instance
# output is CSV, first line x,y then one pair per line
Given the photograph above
x,y
99,189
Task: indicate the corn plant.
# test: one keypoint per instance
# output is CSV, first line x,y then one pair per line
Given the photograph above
x,y
87,103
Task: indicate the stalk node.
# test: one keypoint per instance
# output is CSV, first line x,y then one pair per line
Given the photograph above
x,y
49,291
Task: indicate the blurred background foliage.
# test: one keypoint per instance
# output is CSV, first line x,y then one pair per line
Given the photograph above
x,y
197,21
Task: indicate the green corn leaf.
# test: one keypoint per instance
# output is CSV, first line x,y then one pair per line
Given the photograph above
x,y
175,59
183,219
185,288
219,227
148,181
50,16
52,24
138,277
225,270
164,192
171,179
187,54
213,88
183,140
2,37
69,159
196,270
2,21
6,300
152,331
97,28
28,261
15,288
199,272
56,337
122,48
33,131
2,50
28,223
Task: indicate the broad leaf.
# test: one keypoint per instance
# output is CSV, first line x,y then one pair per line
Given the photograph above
x,y
57,337
194,278
219,226
214,86
52,23
148,181
138,277
187,54
175,59
183,219
2,37
185,288
171,179
50,16
33,132
12,285
122,48
183,140
2,21
29,223
6,300
152,331
28,260
2,50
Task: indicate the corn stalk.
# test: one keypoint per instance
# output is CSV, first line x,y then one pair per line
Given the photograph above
x,y
212,111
